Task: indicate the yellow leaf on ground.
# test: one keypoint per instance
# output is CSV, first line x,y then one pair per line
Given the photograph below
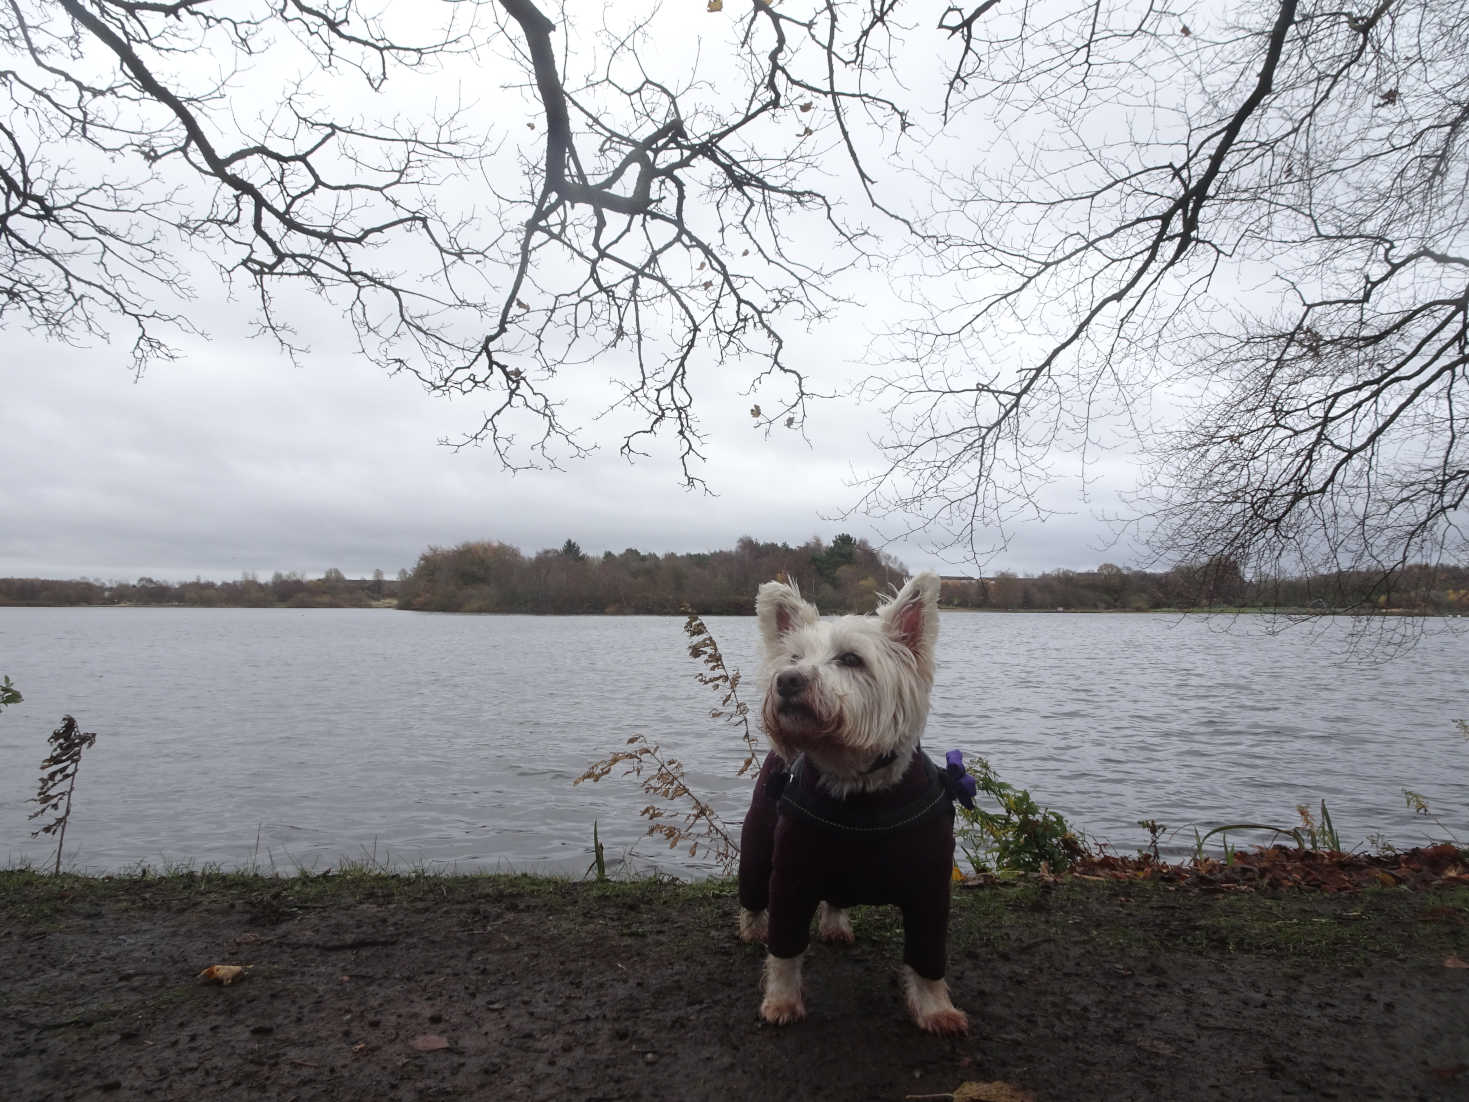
x,y
997,1091
1455,962
225,974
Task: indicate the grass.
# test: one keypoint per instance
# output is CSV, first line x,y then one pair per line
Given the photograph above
x,y
1140,919
1111,919
30,890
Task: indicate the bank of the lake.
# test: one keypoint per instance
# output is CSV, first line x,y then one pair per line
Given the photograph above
x,y
369,986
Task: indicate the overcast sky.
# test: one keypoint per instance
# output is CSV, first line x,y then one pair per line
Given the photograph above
x,y
231,459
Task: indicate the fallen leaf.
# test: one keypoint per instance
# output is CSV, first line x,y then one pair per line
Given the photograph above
x,y
429,1042
996,1091
224,974
1455,962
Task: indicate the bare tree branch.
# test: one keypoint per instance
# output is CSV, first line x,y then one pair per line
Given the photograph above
x,y
1237,245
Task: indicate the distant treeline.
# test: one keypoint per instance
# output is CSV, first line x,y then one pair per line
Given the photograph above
x,y
1431,590
332,590
847,575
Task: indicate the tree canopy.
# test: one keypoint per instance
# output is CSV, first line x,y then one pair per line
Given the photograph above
x,y
1228,238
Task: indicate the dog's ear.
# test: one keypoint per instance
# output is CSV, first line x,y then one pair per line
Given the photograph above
x,y
911,619
780,611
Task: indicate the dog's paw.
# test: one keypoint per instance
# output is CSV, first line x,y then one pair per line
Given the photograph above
x,y
833,925
928,1002
782,1003
754,925
952,1022
782,1011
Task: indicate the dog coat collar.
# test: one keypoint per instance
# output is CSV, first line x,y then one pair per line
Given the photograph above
x,y
881,763
921,794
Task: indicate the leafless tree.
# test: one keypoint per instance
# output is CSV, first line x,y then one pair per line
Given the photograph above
x,y
662,222
1236,234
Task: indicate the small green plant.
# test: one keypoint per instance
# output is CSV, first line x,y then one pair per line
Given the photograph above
x,y
1312,834
1320,833
9,694
599,857
1200,855
1381,844
1020,835
59,778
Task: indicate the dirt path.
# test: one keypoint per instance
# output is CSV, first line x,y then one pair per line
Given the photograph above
x,y
366,987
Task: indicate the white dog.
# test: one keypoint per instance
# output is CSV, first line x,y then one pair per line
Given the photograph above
x,y
848,808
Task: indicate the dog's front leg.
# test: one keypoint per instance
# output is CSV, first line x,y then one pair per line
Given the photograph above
x,y
782,1003
929,1003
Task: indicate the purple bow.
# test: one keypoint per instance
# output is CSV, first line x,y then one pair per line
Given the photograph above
x,y
961,785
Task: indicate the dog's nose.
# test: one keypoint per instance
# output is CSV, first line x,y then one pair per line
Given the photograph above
x,y
790,683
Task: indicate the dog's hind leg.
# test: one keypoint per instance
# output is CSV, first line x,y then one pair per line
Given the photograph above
x,y
833,925
782,1003
754,925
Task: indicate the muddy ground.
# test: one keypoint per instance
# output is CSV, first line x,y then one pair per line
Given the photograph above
x,y
371,987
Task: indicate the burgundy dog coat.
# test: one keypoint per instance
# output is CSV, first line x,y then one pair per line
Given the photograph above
x,y
801,845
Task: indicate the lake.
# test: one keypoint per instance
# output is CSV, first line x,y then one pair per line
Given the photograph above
x,y
289,739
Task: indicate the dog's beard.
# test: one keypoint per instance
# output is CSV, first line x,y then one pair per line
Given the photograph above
x,y
795,725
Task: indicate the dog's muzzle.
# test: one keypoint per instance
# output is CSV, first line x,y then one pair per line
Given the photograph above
x,y
790,684
788,710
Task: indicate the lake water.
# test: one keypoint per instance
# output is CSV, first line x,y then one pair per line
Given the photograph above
x,y
295,738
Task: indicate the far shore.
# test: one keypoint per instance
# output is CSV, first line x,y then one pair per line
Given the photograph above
x,y
1215,610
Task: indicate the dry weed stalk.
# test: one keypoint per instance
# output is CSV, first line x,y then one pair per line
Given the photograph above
x,y
60,768
732,710
662,777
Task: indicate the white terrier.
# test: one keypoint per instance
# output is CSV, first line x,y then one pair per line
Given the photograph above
x,y
848,809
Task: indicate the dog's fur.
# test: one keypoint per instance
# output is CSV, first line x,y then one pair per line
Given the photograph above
x,y
852,695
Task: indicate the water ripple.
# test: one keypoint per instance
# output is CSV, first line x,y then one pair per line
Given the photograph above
x,y
292,738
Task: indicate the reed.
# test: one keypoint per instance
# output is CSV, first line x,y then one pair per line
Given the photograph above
x,y
58,780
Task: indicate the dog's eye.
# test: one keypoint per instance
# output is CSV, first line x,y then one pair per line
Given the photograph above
x,y
850,658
